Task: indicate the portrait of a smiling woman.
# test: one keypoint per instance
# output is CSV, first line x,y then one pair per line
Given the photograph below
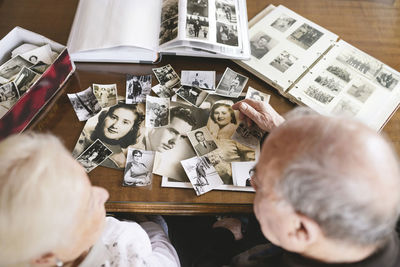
x,y
117,127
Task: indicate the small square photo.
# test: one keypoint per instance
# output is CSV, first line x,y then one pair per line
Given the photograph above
x,y
202,141
139,167
106,94
157,112
231,84
94,155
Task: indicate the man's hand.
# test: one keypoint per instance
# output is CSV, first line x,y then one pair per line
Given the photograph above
x,y
260,113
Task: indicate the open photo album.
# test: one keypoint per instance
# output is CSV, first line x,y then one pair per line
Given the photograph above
x,y
310,66
141,31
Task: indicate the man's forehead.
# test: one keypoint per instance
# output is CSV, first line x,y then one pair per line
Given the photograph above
x,y
180,125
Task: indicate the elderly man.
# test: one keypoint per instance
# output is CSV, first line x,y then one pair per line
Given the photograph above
x,y
327,192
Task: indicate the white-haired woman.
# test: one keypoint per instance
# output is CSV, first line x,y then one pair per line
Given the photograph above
x,y
51,215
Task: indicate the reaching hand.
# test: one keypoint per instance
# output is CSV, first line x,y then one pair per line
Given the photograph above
x,y
260,113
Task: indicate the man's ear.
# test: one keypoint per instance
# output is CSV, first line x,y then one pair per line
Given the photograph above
x,y
47,259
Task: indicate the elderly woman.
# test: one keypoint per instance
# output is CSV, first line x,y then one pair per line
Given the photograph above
x,y
51,215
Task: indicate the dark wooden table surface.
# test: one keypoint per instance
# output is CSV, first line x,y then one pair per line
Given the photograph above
x,y
372,26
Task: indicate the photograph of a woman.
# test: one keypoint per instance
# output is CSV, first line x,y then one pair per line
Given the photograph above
x,y
139,166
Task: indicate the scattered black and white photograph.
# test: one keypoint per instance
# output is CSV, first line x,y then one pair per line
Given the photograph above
x,y
197,7
227,34
202,141
225,11
361,90
360,62
197,27
340,72
39,67
36,55
12,67
168,30
387,79
242,172
137,88
8,95
318,95
25,79
106,94
305,36
157,112
202,174
163,91
283,23
260,44
139,167
231,84
257,95
248,136
166,76
94,155
85,104
346,108
283,61
193,95
327,81
198,78
169,9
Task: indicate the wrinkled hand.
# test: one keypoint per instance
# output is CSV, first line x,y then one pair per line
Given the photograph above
x,y
260,113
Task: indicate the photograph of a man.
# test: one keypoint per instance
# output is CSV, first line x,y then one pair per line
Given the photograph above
x,y
202,141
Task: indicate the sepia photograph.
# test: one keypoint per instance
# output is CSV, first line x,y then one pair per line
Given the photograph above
x,y
137,88
163,91
260,44
318,95
13,66
231,84
94,155
8,95
193,95
340,72
361,90
117,127
242,172
198,78
283,23
387,79
202,141
157,112
248,136
36,55
334,85
106,94
202,174
197,7
25,79
283,61
225,11
257,95
166,76
39,67
196,27
360,62
168,30
169,9
227,34
346,108
305,36
139,167
85,104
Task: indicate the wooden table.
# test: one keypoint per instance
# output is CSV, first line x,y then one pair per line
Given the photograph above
x,y
372,26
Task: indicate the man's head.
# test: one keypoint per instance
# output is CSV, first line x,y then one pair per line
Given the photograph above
x,y
324,179
166,138
199,136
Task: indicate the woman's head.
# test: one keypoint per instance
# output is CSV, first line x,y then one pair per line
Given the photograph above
x,y
43,185
137,155
222,114
119,125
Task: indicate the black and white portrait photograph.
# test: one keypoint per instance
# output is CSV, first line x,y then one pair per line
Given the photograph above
x,y
117,127
227,34
340,72
25,79
202,141
305,36
225,11
163,91
12,67
360,62
260,44
8,95
196,27
317,94
157,112
39,67
202,174
330,82
166,76
360,90
94,155
242,172
345,107
195,96
248,135
197,7
137,88
198,78
283,23
168,30
169,9
387,79
106,94
42,53
139,167
257,95
283,61
231,83
85,104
